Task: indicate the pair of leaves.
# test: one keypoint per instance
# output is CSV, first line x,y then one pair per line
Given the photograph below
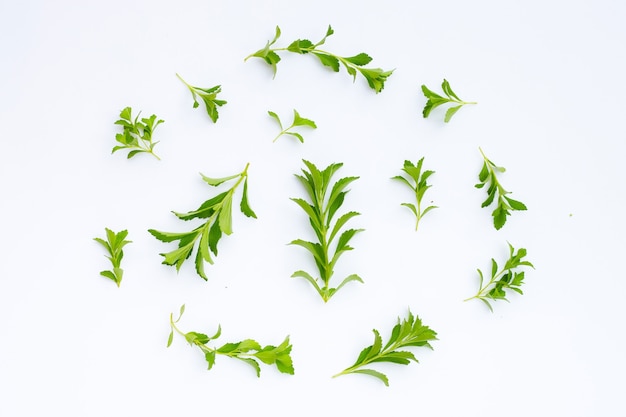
x,y
216,213
375,77
208,96
416,181
297,121
248,350
436,100
136,134
408,332
321,209
114,245
488,177
501,280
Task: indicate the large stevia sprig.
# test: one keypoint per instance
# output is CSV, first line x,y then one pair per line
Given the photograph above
x,y
375,77
507,278
408,332
216,214
321,210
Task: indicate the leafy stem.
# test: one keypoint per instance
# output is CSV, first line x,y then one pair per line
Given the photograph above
x,y
408,332
297,121
114,244
136,134
375,77
503,279
321,210
416,181
489,176
248,350
435,100
216,213
208,96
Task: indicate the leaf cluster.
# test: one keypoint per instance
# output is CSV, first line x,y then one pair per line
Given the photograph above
x,y
416,181
114,244
436,100
297,121
216,214
321,209
503,279
408,332
488,176
248,350
208,96
136,134
375,77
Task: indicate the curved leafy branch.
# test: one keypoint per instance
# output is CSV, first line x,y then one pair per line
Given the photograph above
x,y
416,181
321,210
216,213
488,176
375,77
208,96
435,100
248,350
503,279
136,134
408,332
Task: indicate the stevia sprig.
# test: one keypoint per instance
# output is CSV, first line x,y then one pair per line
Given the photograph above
x,y
436,100
216,214
408,332
507,278
248,350
488,176
375,77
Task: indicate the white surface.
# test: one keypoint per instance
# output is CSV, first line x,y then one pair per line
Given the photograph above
x,y
549,79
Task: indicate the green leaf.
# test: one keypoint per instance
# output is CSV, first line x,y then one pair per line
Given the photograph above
x,y
217,181
451,112
360,59
328,60
244,205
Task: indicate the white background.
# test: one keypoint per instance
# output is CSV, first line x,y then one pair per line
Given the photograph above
x,y
549,80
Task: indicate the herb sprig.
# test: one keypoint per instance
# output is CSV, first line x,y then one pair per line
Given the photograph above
x,y
416,181
297,121
375,77
136,134
114,244
435,100
408,332
488,175
503,279
321,210
208,96
217,215
248,350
